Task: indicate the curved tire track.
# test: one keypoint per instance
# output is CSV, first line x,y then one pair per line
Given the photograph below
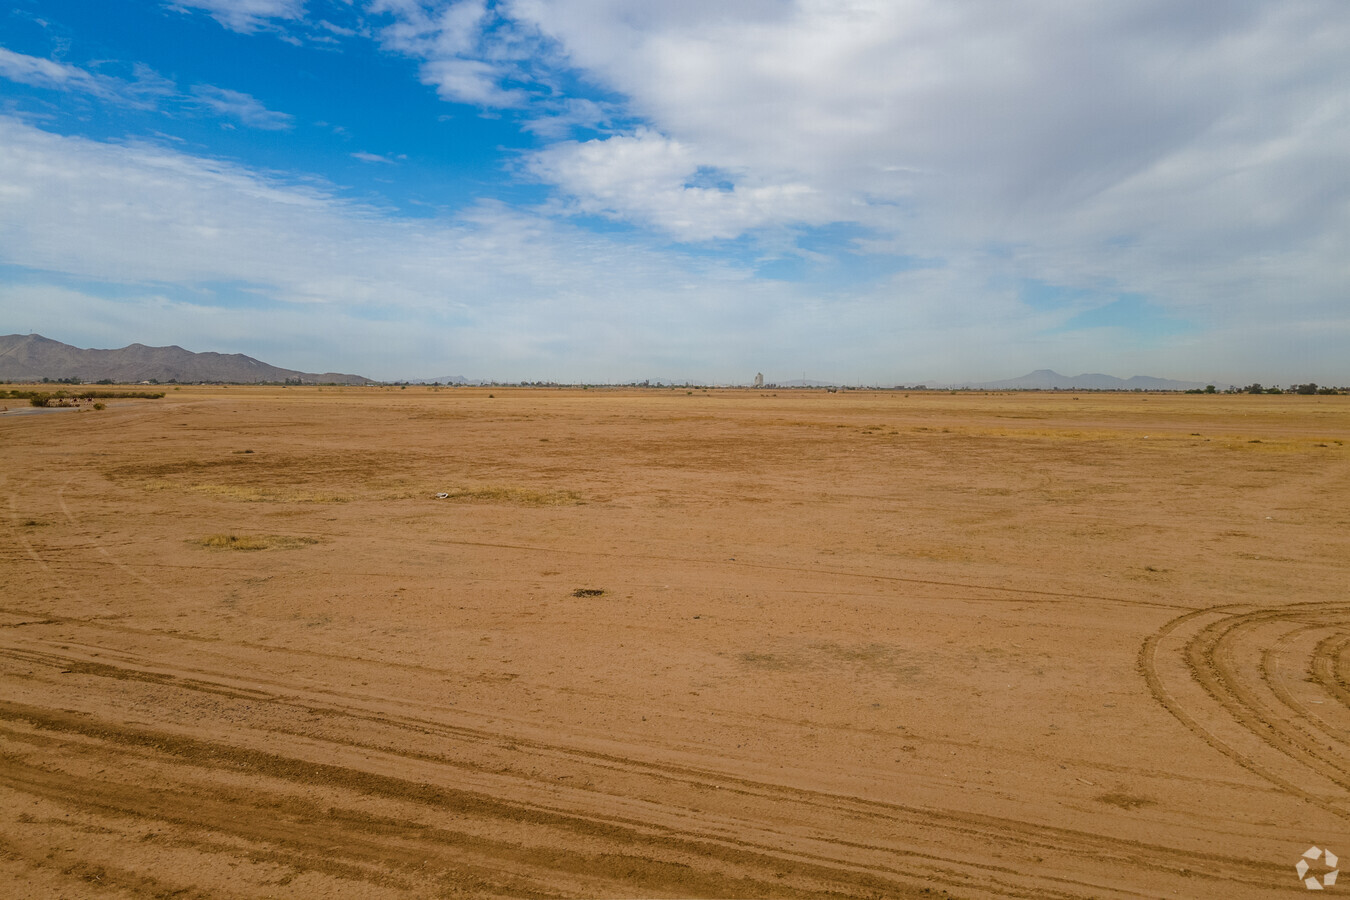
x,y
1223,673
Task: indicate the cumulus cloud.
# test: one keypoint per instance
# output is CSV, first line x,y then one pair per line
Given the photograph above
x,y
649,178
1186,153
1136,146
468,52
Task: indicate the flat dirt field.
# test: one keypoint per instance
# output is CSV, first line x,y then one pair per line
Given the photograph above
x,y
664,643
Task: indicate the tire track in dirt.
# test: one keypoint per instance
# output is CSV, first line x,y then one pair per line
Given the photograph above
x,y
816,571
771,834
30,551
1230,680
1327,668
1219,671
318,698
1310,711
949,829
639,855
1050,596
98,545
283,828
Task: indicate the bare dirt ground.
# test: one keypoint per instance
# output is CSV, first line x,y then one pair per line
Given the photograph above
x,y
662,644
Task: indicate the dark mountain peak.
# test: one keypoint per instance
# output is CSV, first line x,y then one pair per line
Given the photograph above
x,y
33,357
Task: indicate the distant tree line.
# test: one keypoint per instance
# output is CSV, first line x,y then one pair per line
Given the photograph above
x,y
70,398
1309,388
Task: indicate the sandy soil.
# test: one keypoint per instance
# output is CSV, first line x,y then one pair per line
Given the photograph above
x,y
662,644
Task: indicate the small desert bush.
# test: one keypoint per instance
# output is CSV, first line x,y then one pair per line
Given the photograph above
x,y
34,396
43,401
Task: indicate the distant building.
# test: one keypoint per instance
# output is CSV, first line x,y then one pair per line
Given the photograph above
x,y
759,379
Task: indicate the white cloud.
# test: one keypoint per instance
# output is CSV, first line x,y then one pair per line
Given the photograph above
x,y
146,91
469,81
159,239
244,15
244,108
1194,154
464,58
1190,153
52,75
557,120
647,178
489,291
32,70
154,234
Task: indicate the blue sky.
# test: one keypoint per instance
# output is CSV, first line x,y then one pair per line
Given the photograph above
x,y
611,191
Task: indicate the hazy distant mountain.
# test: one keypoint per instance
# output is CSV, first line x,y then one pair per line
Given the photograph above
x,y
444,379
1047,380
32,357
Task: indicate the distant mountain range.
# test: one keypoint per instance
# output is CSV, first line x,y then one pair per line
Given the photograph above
x,y
1047,380
32,357
1044,380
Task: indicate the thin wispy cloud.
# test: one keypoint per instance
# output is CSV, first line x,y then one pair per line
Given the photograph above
x,y
51,74
145,88
243,15
241,107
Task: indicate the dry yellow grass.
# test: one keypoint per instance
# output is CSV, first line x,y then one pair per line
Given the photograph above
x,y
254,542
247,493
518,496
251,494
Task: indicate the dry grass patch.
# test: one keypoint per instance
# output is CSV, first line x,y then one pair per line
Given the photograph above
x,y
1123,800
252,494
1283,444
764,660
518,496
253,542
248,493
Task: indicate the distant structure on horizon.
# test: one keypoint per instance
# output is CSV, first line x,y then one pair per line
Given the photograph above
x,y
759,379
